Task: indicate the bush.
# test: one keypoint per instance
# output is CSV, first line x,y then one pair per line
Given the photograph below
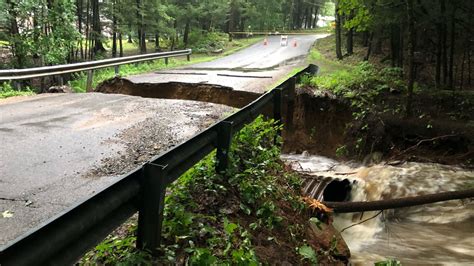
x,y
207,42
363,78
7,90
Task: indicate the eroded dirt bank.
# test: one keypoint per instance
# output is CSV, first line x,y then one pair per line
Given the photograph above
x,y
324,124
202,92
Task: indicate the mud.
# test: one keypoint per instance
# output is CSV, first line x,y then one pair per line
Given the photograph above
x,y
323,124
319,124
178,90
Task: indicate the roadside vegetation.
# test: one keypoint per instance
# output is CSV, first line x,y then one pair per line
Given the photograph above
x,y
6,90
253,214
198,56
439,126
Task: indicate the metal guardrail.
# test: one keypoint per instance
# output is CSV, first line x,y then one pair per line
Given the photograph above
x,y
65,238
38,72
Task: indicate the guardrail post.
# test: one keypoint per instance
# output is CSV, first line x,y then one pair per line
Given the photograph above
x,y
224,139
277,107
291,102
150,217
60,80
188,57
90,76
117,70
166,60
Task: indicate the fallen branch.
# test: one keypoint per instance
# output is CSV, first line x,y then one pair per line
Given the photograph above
x,y
419,143
368,219
346,207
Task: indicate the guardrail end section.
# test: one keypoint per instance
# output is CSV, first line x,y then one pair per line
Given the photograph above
x,y
150,216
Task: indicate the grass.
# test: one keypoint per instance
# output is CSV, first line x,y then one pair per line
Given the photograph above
x,y
7,90
321,55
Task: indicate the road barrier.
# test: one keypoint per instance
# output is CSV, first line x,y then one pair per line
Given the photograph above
x,y
65,238
38,72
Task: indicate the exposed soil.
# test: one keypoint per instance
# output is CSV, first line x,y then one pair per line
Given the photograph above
x,y
440,131
178,90
318,126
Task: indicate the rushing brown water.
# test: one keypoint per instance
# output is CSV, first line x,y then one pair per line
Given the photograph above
x,y
441,233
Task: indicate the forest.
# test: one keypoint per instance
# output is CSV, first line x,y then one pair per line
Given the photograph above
x,y
431,41
45,32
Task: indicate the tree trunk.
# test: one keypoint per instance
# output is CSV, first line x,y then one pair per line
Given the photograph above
x,y
86,46
350,41
96,28
347,207
369,49
395,44
444,41
411,56
452,48
186,33
120,44
13,31
114,29
157,42
338,33
438,56
79,5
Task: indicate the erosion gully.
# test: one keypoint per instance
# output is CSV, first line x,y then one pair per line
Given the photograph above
x,y
441,233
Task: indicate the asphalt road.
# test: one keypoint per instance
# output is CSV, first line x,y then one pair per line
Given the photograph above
x,y
255,68
57,149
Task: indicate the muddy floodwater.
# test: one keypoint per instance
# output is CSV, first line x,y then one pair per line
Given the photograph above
x,y
441,233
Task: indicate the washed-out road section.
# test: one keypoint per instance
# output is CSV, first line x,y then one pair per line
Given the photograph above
x,y
253,69
58,149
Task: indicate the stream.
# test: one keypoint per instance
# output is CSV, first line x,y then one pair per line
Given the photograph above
x,y
441,233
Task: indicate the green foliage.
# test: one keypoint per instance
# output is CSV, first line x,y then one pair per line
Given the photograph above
x,y
389,262
52,45
207,42
362,80
7,90
199,216
308,253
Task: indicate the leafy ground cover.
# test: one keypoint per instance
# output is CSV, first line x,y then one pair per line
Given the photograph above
x,y
7,90
252,214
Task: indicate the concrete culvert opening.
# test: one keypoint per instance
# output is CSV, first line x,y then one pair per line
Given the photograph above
x,y
202,92
338,191
323,188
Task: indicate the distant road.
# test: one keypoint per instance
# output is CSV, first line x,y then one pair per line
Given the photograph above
x,y
252,69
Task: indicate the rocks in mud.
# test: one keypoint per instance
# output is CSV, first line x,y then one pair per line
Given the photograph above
x,y
330,240
59,89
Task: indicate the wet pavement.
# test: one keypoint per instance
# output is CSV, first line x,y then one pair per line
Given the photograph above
x,y
254,69
58,149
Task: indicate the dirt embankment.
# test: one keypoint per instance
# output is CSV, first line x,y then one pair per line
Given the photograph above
x,y
441,130
324,124
178,90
